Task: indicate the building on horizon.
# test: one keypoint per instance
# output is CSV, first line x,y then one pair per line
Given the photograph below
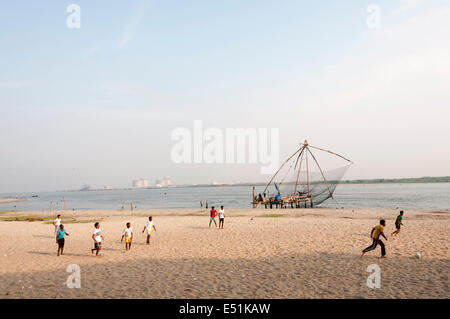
x,y
86,187
164,182
140,183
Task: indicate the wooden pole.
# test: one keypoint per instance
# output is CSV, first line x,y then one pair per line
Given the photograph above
x,y
253,199
296,162
321,149
307,173
281,168
321,172
299,170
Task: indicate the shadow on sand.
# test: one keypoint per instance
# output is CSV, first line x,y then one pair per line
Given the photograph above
x,y
317,275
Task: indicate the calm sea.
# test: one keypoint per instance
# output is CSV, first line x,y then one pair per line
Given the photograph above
x,y
407,196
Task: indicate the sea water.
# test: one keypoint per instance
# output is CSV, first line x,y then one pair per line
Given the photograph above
x,y
392,196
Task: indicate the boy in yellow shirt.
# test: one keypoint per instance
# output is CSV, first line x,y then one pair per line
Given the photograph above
x,y
376,232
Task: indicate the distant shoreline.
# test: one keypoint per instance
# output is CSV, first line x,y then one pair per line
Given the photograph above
x,y
11,200
420,180
349,182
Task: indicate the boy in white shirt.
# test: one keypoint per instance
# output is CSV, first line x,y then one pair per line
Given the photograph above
x,y
149,227
56,223
128,234
98,238
221,216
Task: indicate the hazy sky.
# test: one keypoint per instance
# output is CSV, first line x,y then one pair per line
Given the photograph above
x,y
98,104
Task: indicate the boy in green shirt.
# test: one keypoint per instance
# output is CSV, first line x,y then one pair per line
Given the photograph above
x,y
398,224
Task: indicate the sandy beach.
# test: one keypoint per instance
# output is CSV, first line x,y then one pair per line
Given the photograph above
x,y
305,253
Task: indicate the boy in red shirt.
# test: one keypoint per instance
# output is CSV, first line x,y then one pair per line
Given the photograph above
x,y
212,217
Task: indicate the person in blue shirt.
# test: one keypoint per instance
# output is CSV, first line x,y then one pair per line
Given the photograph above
x,y
277,196
60,239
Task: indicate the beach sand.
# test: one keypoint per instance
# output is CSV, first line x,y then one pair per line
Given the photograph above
x,y
306,253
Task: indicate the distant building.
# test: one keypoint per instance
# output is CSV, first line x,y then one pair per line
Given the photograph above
x,y
140,183
164,182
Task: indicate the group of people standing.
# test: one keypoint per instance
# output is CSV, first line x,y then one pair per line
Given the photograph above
x,y
212,216
97,236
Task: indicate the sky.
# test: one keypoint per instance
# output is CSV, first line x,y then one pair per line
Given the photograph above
x,y
98,104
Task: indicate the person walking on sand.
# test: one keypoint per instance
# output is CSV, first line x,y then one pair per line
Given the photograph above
x,y
376,232
60,239
128,234
221,217
56,223
398,224
98,239
149,227
212,216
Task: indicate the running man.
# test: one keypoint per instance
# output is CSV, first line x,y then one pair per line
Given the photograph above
x,y
60,239
149,227
128,234
376,232
56,223
98,239
212,216
221,216
398,224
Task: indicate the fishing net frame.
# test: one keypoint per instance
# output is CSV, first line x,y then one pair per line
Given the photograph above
x,y
293,190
